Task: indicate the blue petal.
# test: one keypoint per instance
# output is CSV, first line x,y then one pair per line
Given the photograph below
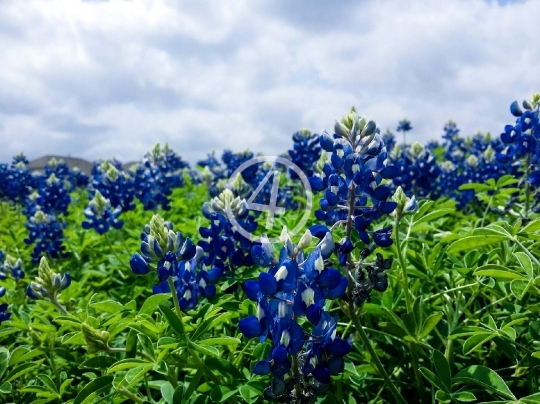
x,y
338,347
262,368
329,278
267,284
250,327
138,265
251,288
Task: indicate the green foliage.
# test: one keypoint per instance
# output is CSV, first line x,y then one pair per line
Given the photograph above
x,y
472,332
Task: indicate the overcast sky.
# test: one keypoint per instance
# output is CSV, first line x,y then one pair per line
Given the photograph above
x,y
97,79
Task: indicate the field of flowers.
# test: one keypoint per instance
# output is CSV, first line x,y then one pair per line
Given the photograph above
x,y
413,278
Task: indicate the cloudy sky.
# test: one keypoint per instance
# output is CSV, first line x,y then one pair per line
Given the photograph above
x,y
98,79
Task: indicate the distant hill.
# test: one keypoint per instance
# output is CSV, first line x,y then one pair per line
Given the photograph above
x,y
84,165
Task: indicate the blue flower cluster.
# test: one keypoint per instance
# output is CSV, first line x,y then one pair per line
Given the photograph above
x,y
225,248
154,180
176,261
47,284
305,153
522,142
14,267
101,216
352,179
418,169
16,181
114,184
296,286
47,234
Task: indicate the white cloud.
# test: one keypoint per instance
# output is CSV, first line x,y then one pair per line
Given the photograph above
x,y
101,79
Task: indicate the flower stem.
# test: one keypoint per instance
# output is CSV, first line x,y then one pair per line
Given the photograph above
x,y
356,320
402,264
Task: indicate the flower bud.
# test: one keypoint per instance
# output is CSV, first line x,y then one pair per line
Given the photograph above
x,y
95,339
305,241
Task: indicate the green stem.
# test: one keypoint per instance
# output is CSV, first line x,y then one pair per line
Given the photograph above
x,y
176,302
448,291
130,395
408,303
405,279
356,320
205,368
527,186
60,307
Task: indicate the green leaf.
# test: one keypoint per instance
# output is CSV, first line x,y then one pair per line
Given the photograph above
x,y
477,340
465,396
126,364
146,345
220,394
173,321
532,399
167,391
249,393
410,322
433,379
532,227
475,187
95,387
150,305
220,341
519,288
485,377
506,180
4,359
430,324
108,306
20,370
205,350
498,272
443,369
6,388
431,216
470,242
133,376
209,323
526,263
443,397
48,383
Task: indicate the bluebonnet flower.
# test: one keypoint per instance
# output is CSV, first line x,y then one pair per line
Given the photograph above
x,y
305,153
404,126
100,216
48,284
78,179
160,172
176,261
353,175
114,184
47,234
16,181
522,140
234,160
418,169
4,315
53,197
14,266
295,286
389,140
225,248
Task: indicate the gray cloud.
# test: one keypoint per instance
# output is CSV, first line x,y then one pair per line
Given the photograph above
x,y
99,79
